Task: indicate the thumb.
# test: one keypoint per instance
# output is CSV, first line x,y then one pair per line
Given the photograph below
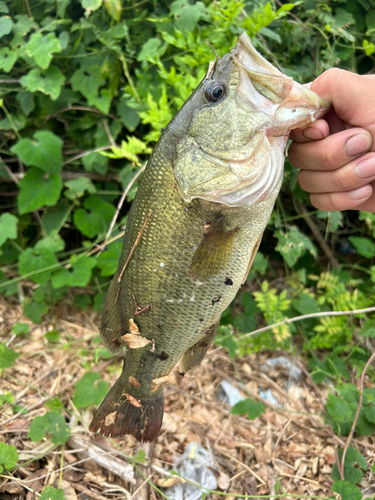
x,y
352,96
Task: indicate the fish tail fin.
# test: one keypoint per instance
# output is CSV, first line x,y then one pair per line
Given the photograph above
x,y
121,413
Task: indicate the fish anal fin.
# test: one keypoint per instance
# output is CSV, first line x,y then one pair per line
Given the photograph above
x,y
214,251
252,257
195,354
121,413
110,321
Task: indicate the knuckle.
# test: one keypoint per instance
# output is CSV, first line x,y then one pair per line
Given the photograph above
x,y
341,180
326,159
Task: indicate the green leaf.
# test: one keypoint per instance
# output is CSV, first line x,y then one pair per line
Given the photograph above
x,y
50,493
87,82
7,59
8,227
20,328
26,100
187,15
29,261
53,336
347,490
54,218
77,187
44,151
91,5
225,339
305,304
48,82
338,409
89,390
7,356
41,48
3,8
8,456
34,311
113,7
45,190
96,218
95,162
108,260
79,274
52,423
364,246
153,49
128,116
293,244
55,404
54,243
250,406
5,25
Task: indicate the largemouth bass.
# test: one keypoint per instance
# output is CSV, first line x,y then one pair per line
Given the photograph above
x,y
194,228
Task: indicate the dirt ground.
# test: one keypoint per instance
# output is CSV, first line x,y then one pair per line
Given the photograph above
x,y
288,449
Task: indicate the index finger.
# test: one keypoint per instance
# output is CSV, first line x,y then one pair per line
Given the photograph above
x,y
317,130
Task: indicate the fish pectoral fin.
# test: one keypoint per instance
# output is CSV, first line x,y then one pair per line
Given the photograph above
x,y
195,354
110,321
214,252
252,257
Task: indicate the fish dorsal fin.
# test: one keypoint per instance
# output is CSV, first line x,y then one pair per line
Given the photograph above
x,y
214,252
110,321
194,355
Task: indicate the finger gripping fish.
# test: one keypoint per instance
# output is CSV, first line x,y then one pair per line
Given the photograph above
x,y
194,228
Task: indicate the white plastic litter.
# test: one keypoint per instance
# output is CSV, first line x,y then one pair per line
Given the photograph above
x,y
193,465
231,394
269,398
294,372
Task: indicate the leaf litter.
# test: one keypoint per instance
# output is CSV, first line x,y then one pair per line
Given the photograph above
x,y
287,449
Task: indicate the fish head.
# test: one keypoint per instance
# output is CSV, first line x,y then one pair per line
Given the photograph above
x,y
240,116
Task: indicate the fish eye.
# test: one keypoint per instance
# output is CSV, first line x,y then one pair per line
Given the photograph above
x,y
215,92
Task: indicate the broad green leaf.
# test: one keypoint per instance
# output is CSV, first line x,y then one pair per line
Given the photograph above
x,y
95,162
8,456
128,116
48,82
44,151
94,221
364,246
113,7
5,25
87,81
17,122
79,274
260,263
347,490
53,336
89,390
91,5
7,59
8,227
293,244
46,190
7,356
187,15
305,304
26,100
152,50
53,243
101,102
108,260
24,25
50,493
35,310
20,328
250,406
30,261
53,219
3,8
338,409
55,404
41,47
53,424
77,187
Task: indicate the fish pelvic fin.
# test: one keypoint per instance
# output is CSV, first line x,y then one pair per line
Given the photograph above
x,y
195,354
110,321
214,251
121,413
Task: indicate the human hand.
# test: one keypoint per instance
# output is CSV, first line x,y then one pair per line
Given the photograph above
x,y
336,155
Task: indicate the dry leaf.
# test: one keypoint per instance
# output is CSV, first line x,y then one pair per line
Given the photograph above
x,y
133,327
134,382
133,400
135,341
158,382
170,481
110,418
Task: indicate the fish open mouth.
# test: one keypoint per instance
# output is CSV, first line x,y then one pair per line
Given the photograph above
x,y
261,107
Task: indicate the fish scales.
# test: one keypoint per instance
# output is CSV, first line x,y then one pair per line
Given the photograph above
x,y
195,242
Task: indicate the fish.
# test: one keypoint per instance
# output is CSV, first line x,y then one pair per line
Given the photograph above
x,y
194,228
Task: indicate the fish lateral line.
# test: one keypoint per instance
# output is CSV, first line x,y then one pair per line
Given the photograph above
x,y
134,246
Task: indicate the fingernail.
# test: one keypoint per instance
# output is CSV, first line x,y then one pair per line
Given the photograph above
x,y
357,144
312,134
360,193
365,168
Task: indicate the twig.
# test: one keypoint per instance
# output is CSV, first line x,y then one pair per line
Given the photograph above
x,y
134,247
319,238
28,9
80,108
119,206
108,132
357,412
300,318
9,81
85,153
89,493
9,172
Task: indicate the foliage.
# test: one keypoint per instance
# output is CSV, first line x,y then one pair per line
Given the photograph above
x,y
8,456
85,91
